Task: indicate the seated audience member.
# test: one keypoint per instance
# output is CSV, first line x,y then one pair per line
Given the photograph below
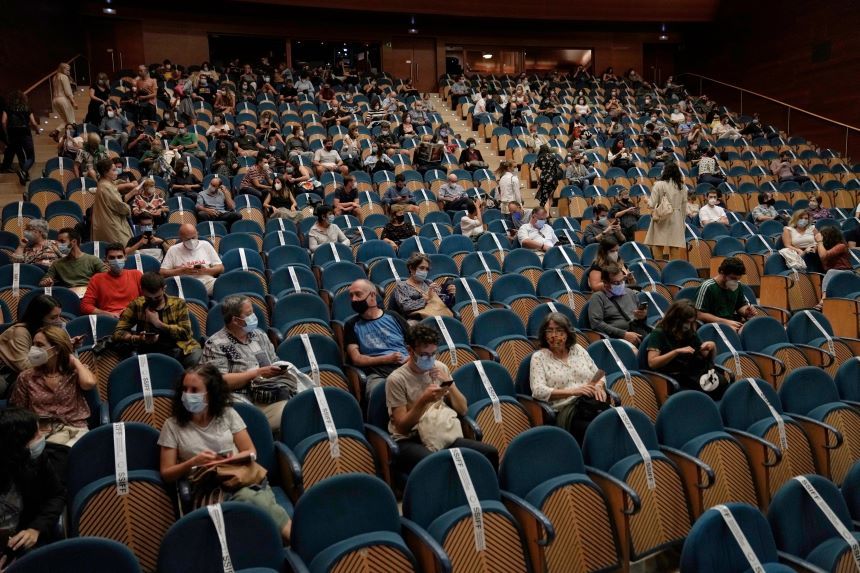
x,y
417,297
216,204
53,388
151,201
398,229
471,158
346,198
243,354
721,299
16,340
32,489
833,251
203,427
708,170
712,212
852,236
74,270
35,248
88,157
374,338
471,224
256,181
816,210
109,293
563,374
146,243
615,311
399,194
114,126
192,257
516,214
281,203
452,195
784,170
692,208
674,348
602,228
327,159
626,213
184,183
421,383
245,144
799,236
324,230
536,234
157,323
765,210
185,142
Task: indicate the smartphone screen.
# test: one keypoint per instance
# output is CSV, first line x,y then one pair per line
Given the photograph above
x,y
446,383
643,305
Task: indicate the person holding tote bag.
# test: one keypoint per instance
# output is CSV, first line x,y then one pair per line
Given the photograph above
x,y
666,230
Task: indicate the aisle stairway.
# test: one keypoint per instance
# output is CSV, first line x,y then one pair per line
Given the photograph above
x,y
10,189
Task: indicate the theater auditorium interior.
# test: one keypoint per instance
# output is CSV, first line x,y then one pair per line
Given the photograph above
x,y
469,287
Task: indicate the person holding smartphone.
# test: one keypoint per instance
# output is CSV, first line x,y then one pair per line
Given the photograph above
x,y
414,388
615,310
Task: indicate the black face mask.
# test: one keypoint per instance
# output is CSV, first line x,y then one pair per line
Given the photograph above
x,y
153,302
360,306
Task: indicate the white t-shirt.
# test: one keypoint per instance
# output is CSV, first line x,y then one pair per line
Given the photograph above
x,y
327,157
180,257
709,214
545,235
470,227
191,439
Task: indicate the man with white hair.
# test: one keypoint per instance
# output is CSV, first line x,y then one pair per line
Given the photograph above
x,y
193,257
452,195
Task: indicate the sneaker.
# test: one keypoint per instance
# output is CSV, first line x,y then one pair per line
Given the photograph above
x,y
22,177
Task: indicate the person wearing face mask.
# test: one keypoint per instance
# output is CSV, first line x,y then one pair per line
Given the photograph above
x,y
564,375
15,341
53,388
258,179
420,384
712,212
110,212
799,236
31,489
184,183
614,310
626,213
603,227
471,158
204,428
374,338
346,198
109,293
145,242
783,169
721,299
193,257
536,234
74,270
327,159
516,216
185,142
114,126
817,211
324,230
675,349
157,323
509,186
399,194
243,354
99,99
224,162
245,144
418,297
398,228
216,204
281,202
150,200
607,254
35,248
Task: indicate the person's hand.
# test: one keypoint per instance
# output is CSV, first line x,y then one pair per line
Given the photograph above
x,y
452,289
640,314
47,281
268,372
582,390
24,539
685,350
708,347
733,324
632,338
599,391
749,311
153,319
204,457
395,358
432,393
77,341
435,288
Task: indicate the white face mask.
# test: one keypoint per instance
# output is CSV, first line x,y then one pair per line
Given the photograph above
x,y
613,256
191,244
37,356
732,284
712,201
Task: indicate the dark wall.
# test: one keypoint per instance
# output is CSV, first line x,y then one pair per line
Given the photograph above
x,y
804,53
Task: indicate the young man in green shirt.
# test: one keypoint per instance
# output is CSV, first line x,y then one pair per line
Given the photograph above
x,y
76,268
721,299
185,142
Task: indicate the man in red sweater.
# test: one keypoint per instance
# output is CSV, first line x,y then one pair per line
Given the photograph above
x,y
109,293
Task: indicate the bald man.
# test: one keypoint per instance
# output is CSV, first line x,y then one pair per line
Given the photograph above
x,y
374,337
216,204
452,195
193,257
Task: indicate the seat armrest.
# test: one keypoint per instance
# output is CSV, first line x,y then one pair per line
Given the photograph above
x,y
520,507
808,423
747,437
799,564
540,412
291,471
485,352
295,563
429,553
385,448
625,491
471,429
701,466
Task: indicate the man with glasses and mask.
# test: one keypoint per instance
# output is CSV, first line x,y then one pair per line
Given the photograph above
x,y
157,323
145,242
241,351
110,293
537,235
615,310
193,257
721,299
419,384
374,338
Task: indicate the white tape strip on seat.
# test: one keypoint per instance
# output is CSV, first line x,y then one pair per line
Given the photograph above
x,y
691,231
328,422
436,231
243,259
217,517
146,383
16,279
627,378
297,286
312,358
486,266
830,347
20,213
393,269
491,392
564,254
119,459
93,327
568,224
281,225
419,245
748,228
281,240
362,235
780,423
552,306
334,252
740,538
647,274
449,342
49,291
138,262
471,498
566,288
498,245
97,249
735,356
654,302
639,251
179,289
832,518
469,292
766,243
637,441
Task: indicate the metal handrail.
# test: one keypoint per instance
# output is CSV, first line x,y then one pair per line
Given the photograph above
x,y
52,74
788,106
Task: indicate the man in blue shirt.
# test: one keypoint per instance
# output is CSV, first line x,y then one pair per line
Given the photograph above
x,y
400,194
374,338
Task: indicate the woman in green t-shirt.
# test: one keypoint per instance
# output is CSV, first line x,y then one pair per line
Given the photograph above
x,y
674,348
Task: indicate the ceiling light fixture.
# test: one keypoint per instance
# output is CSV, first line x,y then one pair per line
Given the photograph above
x,y
663,35
488,56
108,9
412,29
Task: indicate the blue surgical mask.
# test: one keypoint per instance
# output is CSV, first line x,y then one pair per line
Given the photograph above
x,y
421,275
194,403
618,290
250,323
64,248
116,264
517,216
539,224
802,223
37,448
425,363
603,221
330,218
146,228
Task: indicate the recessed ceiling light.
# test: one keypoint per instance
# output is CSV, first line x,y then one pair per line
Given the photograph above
x,y
488,56
108,10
